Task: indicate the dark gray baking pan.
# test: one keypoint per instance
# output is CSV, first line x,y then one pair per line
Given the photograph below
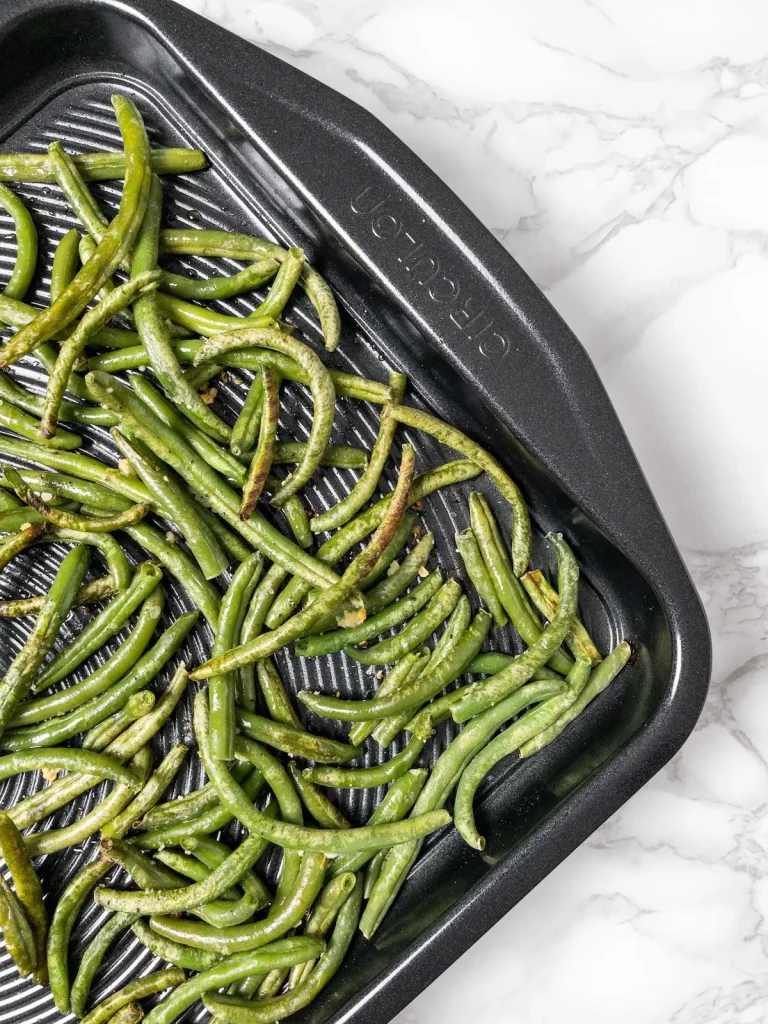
x,y
425,288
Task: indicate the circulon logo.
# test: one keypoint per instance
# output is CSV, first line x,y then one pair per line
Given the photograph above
x,y
424,268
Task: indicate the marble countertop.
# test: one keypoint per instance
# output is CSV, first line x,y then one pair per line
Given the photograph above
x,y
619,150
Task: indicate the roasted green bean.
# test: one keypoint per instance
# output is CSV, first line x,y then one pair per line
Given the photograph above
x,y
21,673
117,241
343,510
320,383
29,892
26,244
261,463
221,690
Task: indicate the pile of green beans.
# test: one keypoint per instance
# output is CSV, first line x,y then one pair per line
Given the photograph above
x,y
197,497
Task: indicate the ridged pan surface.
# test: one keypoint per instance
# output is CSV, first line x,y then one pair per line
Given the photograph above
x,y
615,599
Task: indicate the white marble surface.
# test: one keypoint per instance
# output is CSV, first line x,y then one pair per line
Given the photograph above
x,y
619,149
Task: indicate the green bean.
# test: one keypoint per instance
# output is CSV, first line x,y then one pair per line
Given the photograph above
x,y
493,661
546,599
334,596
284,953
80,198
221,690
279,781
246,428
68,759
241,1011
281,919
211,820
276,777
466,545
399,800
202,320
173,952
19,677
262,601
171,449
287,277
453,438
368,778
393,549
27,426
187,897
395,583
415,633
508,588
9,501
183,808
106,624
340,456
345,509
68,907
261,462
29,892
16,931
19,519
525,729
200,442
153,333
160,781
208,323
402,672
397,613
438,787
203,594
66,262
294,740
175,503
211,289
457,625
117,241
140,285
97,166
213,853
320,808
22,518
101,735
19,314
125,746
18,542
92,958
237,246
334,549
26,244
146,986
277,700
253,622
372,872
118,565
320,384
490,691
405,531
292,836
602,675
74,522
490,662
16,395
102,480
324,913
147,873
131,1013
97,708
